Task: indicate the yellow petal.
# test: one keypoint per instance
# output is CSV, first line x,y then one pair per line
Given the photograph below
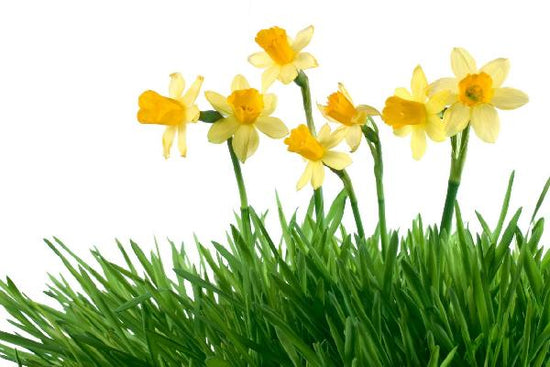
x,y
305,60
435,128
450,84
272,127
288,73
245,142
193,91
329,140
336,160
269,76
353,136
239,83
403,131
168,139
260,60
222,130
219,102
497,70
345,92
270,103
317,174
456,118
323,111
192,113
306,176
418,143
324,133
369,110
462,63
302,38
509,98
182,136
485,122
157,109
419,84
437,102
403,93
177,85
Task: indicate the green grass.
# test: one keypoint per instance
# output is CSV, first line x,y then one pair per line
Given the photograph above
x,y
319,296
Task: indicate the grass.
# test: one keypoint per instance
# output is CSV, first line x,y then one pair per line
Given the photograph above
x,y
319,296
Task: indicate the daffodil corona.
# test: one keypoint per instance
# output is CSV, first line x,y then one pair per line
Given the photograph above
x,y
340,109
317,151
475,93
244,111
414,113
174,111
282,57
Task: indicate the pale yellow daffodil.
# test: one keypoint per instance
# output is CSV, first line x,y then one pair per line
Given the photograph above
x,y
244,111
175,111
340,109
414,113
317,151
475,93
283,57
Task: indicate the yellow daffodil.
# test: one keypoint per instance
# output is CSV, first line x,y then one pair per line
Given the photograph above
x,y
414,113
174,111
317,151
282,57
244,111
340,108
475,93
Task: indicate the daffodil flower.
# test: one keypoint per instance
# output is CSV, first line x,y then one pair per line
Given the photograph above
x,y
317,152
475,93
282,57
174,111
340,109
244,111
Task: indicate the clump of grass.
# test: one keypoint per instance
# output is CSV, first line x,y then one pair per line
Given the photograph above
x,y
317,297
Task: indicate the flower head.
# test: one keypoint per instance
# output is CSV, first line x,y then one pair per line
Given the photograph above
x,y
317,151
340,109
174,111
414,113
475,93
244,111
282,56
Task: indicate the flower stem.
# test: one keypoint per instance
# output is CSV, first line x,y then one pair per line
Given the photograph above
x,y
245,214
352,199
459,144
373,140
303,82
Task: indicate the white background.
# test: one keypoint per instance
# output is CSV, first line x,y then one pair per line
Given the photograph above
x,y
75,163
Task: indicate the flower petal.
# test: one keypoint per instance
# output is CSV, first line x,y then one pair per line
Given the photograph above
x,y
403,93
305,60
509,98
288,73
462,63
497,70
302,38
239,82
219,102
317,174
324,133
329,140
418,143
437,102
168,139
182,142
419,84
450,84
369,110
193,91
157,109
245,142
270,103
260,60
456,118
177,85
272,127
353,136
485,122
192,114
345,92
336,160
269,76
306,176
435,128
222,130
323,110
403,131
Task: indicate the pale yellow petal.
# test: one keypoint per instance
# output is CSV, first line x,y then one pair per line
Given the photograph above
x,y
435,128
485,122
192,113
419,84
219,102
334,139
403,131
437,102
191,95
509,98
324,133
345,92
498,70
182,139
270,103
456,118
462,63
288,73
336,160
177,85
305,60
222,130
239,83
317,174
260,60
306,176
168,139
323,111
302,38
245,142
269,76
272,127
354,135
418,143
450,84
403,93
369,110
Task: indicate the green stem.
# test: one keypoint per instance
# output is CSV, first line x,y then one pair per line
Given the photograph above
x,y
459,144
352,199
245,214
303,82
